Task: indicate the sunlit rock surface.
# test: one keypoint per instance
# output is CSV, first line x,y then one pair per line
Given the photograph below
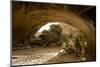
x,y
41,56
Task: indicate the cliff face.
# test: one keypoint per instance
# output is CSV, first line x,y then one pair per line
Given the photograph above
x,y
29,17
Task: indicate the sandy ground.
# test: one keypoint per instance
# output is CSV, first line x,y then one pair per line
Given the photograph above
x,y
41,56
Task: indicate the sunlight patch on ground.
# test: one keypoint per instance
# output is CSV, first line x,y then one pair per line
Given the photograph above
x,y
34,59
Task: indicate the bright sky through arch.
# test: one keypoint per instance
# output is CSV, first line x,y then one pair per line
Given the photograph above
x,y
47,26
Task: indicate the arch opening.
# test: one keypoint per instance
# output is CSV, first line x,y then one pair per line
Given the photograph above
x,y
61,35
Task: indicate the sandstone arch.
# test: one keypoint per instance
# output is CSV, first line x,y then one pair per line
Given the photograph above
x,y
24,20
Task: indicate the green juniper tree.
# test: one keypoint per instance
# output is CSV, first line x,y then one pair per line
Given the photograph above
x,y
52,35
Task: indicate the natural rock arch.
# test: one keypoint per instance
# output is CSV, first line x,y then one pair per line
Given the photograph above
x,y
23,21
